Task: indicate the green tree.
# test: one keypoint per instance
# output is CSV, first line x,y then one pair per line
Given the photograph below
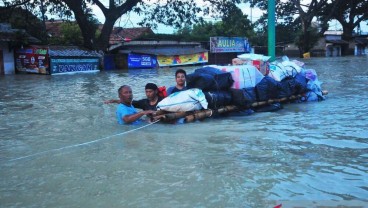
x,y
23,19
169,12
349,14
70,34
294,14
233,24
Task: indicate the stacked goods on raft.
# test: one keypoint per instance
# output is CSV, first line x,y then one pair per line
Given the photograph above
x,y
216,90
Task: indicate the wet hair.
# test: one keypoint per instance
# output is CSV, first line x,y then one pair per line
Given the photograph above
x,y
151,86
121,88
182,71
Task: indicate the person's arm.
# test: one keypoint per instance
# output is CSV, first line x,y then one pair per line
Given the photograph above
x,y
133,117
138,104
111,101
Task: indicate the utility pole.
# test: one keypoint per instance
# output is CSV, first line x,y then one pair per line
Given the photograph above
x,y
43,11
251,11
271,29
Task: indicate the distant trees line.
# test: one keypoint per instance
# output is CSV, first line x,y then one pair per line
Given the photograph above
x,y
296,22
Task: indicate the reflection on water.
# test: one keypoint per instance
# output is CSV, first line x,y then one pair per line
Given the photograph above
x,y
304,155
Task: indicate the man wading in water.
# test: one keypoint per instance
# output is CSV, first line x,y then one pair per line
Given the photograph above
x,y
125,112
148,103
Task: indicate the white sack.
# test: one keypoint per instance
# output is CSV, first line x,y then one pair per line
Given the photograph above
x,y
253,56
188,100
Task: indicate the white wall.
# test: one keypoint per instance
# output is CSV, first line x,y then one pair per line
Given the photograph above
x,y
8,56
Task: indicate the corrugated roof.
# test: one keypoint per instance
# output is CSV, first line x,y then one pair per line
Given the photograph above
x,y
7,34
337,41
362,41
167,51
154,43
71,51
333,32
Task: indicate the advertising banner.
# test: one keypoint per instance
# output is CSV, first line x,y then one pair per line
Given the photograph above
x,y
32,60
229,45
64,65
177,60
141,61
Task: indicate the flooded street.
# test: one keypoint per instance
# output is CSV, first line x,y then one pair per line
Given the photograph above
x,y
60,146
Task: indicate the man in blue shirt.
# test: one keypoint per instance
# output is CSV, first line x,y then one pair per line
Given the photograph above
x,y
125,112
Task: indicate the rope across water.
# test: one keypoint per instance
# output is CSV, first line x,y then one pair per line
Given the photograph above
x,y
81,144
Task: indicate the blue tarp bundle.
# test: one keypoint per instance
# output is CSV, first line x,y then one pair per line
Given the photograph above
x,y
209,78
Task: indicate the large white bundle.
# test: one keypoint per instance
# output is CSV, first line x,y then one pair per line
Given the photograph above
x,y
291,67
188,100
253,56
277,71
244,76
281,70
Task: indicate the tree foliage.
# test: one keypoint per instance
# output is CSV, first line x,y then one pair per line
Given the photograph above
x,y
294,14
23,19
182,14
349,14
233,24
176,13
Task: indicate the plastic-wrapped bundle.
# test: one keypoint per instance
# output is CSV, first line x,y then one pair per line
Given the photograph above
x,y
244,76
209,78
217,99
300,84
314,86
267,89
287,87
243,98
188,100
285,69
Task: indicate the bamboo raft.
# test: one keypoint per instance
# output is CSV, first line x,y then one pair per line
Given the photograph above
x,y
191,116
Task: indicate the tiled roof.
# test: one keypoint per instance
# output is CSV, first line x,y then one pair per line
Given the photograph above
x,y
118,34
53,27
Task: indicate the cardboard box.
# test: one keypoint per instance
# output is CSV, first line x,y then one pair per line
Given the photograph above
x,y
262,66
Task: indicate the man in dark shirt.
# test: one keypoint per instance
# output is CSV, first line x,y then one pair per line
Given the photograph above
x,y
148,103
152,99
180,78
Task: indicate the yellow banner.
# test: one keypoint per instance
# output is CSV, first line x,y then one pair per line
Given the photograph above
x,y
182,59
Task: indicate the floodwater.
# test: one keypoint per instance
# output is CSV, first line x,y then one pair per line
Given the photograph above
x,y
60,146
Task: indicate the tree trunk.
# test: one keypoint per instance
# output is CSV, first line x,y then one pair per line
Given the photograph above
x,y
347,32
102,42
87,28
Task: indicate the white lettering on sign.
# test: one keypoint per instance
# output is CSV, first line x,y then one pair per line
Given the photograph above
x,y
73,68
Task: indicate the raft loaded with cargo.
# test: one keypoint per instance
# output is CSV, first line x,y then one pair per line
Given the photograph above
x,y
246,86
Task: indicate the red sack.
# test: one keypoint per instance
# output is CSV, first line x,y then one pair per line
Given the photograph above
x,y
162,92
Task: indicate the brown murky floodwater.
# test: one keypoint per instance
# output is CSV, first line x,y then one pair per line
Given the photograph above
x,y
305,155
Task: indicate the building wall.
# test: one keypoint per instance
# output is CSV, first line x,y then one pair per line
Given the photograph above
x,y
8,58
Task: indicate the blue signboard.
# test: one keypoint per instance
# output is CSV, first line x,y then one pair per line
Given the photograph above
x,y
66,65
229,45
141,61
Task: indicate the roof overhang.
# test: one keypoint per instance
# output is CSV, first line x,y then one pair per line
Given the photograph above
x,y
337,42
166,51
